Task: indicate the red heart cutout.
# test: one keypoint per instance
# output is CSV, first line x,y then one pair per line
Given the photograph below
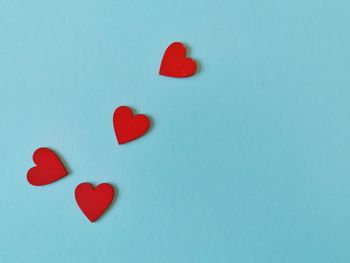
x,y
94,202
175,64
128,127
49,168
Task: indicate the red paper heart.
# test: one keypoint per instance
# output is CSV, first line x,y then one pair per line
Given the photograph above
x,y
49,168
128,127
175,64
94,202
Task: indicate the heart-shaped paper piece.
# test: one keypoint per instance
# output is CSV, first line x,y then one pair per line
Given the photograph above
x,y
94,201
127,126
49,167
175,64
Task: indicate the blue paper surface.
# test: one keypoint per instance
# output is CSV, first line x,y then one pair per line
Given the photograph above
x,y
247,161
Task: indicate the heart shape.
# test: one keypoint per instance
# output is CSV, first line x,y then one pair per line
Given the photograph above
x,y
94,201
175,64
127,126
49,167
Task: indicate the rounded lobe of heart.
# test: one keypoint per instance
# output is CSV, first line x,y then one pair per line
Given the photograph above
x,y
49,168
175,64
93,202
127,126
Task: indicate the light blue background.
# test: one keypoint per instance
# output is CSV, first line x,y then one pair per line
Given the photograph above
x,y
248,161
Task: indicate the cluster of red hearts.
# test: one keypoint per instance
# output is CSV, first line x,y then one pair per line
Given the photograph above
x,y
92,201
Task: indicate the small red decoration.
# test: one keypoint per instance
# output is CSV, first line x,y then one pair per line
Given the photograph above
x,y
94,202
127,126
175,64
49,168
